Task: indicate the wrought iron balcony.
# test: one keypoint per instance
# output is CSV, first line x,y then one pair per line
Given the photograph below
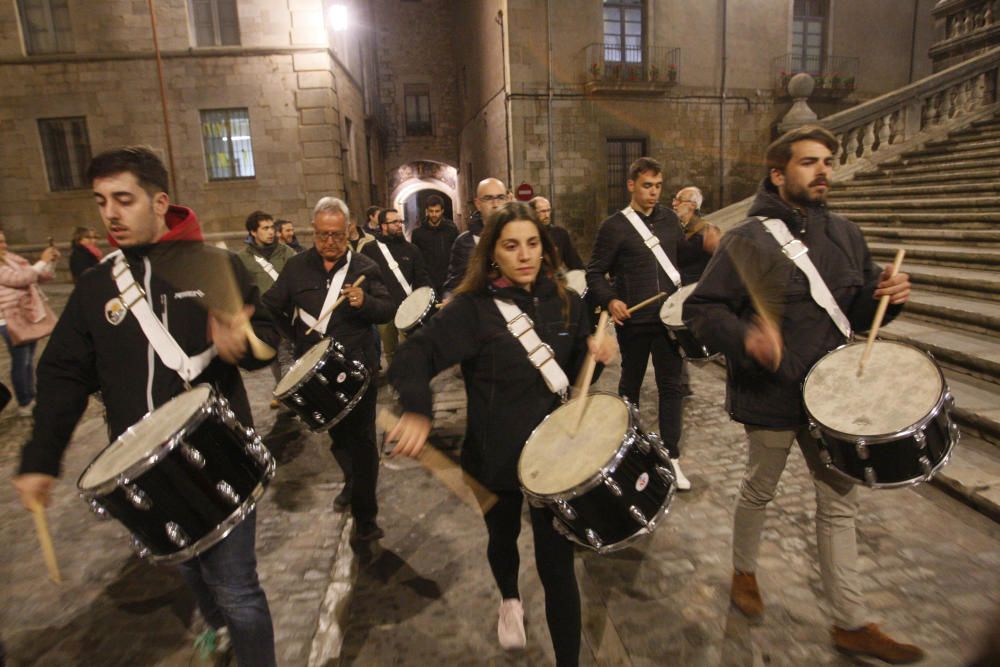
x,y
835,76
612,68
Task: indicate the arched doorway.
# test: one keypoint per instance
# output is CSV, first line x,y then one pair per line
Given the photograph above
x,y
412,183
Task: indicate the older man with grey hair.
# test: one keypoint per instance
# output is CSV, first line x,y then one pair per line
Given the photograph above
x,y
298,304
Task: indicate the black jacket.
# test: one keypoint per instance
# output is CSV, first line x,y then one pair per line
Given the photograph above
x,y
635,273
87,353
507,397
461,252
81,259
304,282
564,244
720,308
692,256
435,245
410,260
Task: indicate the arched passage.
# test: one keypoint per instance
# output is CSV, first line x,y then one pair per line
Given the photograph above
x,y
412,183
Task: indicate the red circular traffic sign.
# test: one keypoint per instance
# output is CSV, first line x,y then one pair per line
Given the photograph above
x,y
524,192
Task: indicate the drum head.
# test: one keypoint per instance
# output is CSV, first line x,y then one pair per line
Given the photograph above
x,y
576,280
554,461
900,387
413,308
140,440
673,307
303,367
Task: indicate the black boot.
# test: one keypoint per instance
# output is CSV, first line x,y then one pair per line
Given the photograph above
x,y
343,499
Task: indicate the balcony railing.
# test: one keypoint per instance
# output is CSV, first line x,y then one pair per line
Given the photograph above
x,y
835,76
611,68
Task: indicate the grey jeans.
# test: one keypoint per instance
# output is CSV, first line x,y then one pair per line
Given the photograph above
x,y
836,508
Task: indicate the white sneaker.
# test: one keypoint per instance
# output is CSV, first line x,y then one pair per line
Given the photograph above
x,y
683,483
510,626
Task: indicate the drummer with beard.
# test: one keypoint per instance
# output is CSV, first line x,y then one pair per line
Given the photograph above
x,y
99,344
769,353
296,303
515,262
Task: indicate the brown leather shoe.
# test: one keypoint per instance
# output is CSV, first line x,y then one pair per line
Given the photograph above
x,y
745,595
869,640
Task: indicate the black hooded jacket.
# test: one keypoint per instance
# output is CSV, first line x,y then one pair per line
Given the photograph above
x,y
435,244
507,396
410,261
720,309
461,252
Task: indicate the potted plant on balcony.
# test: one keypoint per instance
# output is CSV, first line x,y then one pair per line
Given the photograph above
x,y
836,82
595,70
785,78
672,73
634,72
820,81
849,83
653,73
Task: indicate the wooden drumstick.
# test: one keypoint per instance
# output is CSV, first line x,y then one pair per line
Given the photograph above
x,y
883,303
586,375
45,540
646,302
336,303
465,487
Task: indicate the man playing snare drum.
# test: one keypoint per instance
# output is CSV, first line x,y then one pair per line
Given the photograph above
x,y
99,344
755,305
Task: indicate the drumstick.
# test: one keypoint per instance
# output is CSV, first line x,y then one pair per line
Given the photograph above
x,y
646,302
466,487
45,540
883,303
336,303
587,374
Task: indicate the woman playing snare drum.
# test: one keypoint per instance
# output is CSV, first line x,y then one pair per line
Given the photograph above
x,y
507,398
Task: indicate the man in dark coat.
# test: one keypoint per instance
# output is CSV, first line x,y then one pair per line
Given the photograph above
x,y
564,242
491,194
435,236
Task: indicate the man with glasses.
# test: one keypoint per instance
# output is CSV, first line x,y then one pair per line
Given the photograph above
x,y
491,194
296,301
701,238
402,267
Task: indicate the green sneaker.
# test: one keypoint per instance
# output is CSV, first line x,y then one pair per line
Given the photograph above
x,y
212,643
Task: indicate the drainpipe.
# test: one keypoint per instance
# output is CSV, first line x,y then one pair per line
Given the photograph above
x,y
548,66
722,111
508,122
913,39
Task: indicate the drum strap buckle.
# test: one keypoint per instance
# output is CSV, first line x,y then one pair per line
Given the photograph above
x,y
521,325
546,356
140,294
651,241
794,249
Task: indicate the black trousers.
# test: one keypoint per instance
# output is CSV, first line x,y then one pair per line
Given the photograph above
x,y
636,343
554,562
355,448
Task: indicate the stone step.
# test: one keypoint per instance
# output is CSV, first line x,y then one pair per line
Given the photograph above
x,y
986,258
970,175
951,165
983,219
944,146
953,154
973,283
977,407
920,235
966,312
864,190
973,134
975,354
973,474
940,202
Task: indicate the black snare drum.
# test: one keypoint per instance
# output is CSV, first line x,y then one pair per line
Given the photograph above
x,y
608,484
891,426
670,315
182,478
323,386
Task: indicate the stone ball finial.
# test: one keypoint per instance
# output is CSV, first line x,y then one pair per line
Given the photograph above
x,y
801,85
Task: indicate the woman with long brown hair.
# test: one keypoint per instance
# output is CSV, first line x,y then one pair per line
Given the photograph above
x,y
508,396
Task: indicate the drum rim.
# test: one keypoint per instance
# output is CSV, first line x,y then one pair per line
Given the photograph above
x,y
423,315
944,397
331,344
158,453
953,430
597,478
351,404
218,533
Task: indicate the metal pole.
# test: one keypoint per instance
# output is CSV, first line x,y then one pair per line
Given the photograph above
x,y
722,113
506,100
548,67
175,195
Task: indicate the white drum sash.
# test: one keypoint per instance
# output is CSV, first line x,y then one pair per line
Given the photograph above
x,y
539,354
394,267
653,243
336,284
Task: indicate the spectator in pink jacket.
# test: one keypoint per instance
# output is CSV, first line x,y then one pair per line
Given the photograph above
x,y
16,276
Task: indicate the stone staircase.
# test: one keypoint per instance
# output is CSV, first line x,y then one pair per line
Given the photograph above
x,y
941,203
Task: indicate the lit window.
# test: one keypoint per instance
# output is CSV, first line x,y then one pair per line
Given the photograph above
x,y
228,148
46,26
417,99
623,31
67,152
215,22
621,154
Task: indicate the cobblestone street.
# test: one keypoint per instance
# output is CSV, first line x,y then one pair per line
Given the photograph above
x,y
426,597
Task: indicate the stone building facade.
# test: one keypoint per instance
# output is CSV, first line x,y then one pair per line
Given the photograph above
x,y
270,77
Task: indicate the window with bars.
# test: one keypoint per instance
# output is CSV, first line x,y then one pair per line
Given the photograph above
x,y
623,31
46,26
808,36
66,148
621,154
417,103
215,22
228,147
